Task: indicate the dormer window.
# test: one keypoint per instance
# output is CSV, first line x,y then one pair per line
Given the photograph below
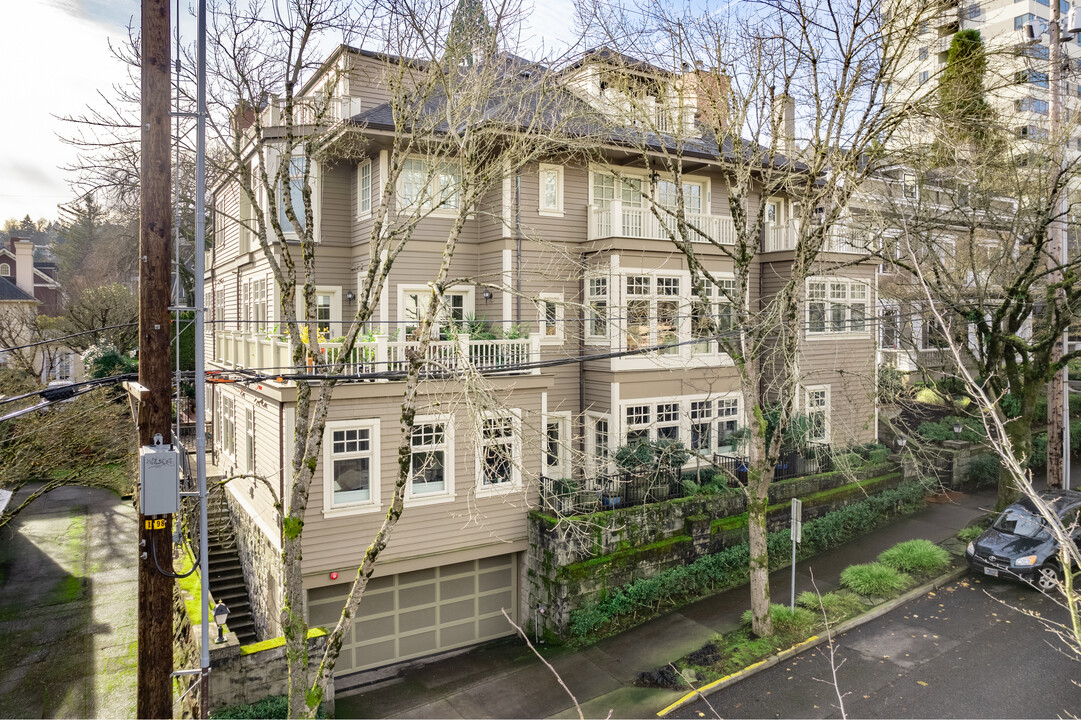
x,y
5,270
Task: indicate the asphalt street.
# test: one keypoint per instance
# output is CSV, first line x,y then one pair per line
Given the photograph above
x,y
967,650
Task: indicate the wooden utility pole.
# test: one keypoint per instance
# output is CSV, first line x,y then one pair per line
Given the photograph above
x,y
1057,442
155,637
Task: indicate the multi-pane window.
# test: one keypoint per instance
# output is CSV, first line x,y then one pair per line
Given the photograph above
x,y
604,190
836,306
702,426
665,196
668,421
556,431
351,464
597,324
424,186
293,189
638,421
228,426
550,311
497,451
925,75
716,316
450,313
364,188
255,309
429,459
551,189
249,440
652,309
598,445
322,312
727,423
923,53
817,412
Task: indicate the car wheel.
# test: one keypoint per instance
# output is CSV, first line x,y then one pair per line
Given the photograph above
x,y
1047,578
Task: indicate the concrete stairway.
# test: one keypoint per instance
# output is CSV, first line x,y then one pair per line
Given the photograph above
x,y
226,577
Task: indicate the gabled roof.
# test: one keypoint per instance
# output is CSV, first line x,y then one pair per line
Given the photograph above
x,y
10,292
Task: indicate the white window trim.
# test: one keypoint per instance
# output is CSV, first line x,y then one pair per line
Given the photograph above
x,y
249,436
482,490
227,452
685,423
644,177
563,418
468,303
846,334
804,406
425,209
591,449
448,464
542,323
315,178
557,209
590,337
5,270
371,505
361,212
335,293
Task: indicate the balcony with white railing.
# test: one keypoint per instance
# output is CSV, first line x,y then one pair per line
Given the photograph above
x,y
380,356
779,237
622,221
311,110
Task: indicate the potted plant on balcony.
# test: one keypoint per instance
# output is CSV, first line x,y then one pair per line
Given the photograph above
x,y
565,495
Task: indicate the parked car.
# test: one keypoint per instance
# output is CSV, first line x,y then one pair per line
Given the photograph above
x,y
1019,546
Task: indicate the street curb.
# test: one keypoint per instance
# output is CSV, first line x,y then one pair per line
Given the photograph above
x,y
815,640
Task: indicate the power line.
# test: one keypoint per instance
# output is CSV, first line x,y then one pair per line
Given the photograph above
x,y
53,341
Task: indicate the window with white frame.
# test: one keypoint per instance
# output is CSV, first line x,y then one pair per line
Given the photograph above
x,y
727,423
713,317
605,190
550,317
652,312
249,440
701,426
430,459
817,408
424,185
322,312
597,298
454,307
597,447
292,188
351,464
254,310
639,418
228,426
5,270
364,188
556,449
551,190
665,195
836,306
497,450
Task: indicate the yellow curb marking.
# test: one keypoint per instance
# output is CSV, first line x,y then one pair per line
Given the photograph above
x,y
694,693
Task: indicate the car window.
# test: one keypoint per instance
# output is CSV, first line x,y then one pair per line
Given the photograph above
x,y
1022,523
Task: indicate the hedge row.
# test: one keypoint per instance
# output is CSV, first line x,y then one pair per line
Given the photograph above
x,y
644,598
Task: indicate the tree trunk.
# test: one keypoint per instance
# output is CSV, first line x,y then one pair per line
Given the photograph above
x,y
1019,432
759,475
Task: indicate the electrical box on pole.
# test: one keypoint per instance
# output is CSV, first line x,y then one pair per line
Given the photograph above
x,y
159,479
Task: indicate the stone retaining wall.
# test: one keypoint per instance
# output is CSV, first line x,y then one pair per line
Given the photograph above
x,y
262,566
573,562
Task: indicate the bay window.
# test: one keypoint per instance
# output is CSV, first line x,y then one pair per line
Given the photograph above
x,y
652,309
597,292
425,185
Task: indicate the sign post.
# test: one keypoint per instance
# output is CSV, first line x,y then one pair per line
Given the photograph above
x,y
797,537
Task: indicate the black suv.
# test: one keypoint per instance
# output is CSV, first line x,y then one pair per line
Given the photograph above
x,y
1019,546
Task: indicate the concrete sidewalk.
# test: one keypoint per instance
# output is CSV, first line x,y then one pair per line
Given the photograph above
x,y
67,607
506,680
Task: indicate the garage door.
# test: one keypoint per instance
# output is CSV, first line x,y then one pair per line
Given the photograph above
x,y
419,613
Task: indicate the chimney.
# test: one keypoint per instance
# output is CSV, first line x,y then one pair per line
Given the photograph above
x,y
785,107
710,89
24,264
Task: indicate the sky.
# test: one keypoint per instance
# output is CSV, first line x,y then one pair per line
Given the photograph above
x,y
56,55
56,58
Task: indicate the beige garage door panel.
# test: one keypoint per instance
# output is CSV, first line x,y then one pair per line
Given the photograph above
x,y
423,612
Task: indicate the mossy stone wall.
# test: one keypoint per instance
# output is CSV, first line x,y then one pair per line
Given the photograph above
x,y
574,561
